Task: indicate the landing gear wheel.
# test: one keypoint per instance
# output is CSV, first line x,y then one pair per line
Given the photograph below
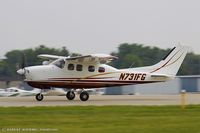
x,y
84,96
70,95
39,97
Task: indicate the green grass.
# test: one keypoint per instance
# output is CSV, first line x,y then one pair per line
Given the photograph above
x,y
98,119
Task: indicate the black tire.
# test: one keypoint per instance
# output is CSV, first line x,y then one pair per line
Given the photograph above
x,y
84,96
70,95
39,97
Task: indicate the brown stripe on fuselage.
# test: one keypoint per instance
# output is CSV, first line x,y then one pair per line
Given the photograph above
x,y
96,75
82,83
80,78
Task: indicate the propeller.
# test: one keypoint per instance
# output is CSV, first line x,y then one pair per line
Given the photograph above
x,y
23,61
22,66
21,69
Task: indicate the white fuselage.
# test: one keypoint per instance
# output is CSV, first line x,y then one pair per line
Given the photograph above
x,y
86,76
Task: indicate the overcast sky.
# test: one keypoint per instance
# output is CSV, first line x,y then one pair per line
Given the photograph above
x,y
98,26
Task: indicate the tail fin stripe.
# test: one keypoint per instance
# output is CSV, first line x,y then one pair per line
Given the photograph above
x,y
167,61
168,53
175,60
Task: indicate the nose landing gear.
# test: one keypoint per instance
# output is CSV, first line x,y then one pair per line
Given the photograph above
x,y
39,97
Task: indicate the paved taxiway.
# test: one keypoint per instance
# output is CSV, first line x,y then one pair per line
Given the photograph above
x,y
100,100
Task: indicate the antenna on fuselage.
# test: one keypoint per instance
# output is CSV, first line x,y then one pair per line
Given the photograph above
x,y
131,65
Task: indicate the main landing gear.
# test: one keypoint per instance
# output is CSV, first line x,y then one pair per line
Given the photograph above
x,y
84,96
70,95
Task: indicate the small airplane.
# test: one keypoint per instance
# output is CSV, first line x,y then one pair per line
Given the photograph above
x,y
91,71
8,93
14,91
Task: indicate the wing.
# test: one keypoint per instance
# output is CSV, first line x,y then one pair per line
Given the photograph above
x,y
50,57
92,58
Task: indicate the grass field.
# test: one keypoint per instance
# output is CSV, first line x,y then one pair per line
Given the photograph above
x,y
98,119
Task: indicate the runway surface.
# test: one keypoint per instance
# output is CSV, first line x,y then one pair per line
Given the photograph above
x,y
100,100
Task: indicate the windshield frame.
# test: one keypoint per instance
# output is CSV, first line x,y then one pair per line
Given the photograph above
x,y
60,63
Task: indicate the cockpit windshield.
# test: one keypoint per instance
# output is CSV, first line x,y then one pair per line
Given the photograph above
x,y
59,63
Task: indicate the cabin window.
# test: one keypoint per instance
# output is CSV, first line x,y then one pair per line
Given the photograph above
x,y
79,67
60,63
101,70
91,68
70,66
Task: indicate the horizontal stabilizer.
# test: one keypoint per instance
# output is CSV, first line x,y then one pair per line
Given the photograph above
x,y
161,76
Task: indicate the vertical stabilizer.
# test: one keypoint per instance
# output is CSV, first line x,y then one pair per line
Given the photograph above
x,y
171,62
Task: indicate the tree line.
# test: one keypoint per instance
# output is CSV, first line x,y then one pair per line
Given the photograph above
x,y
130,55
